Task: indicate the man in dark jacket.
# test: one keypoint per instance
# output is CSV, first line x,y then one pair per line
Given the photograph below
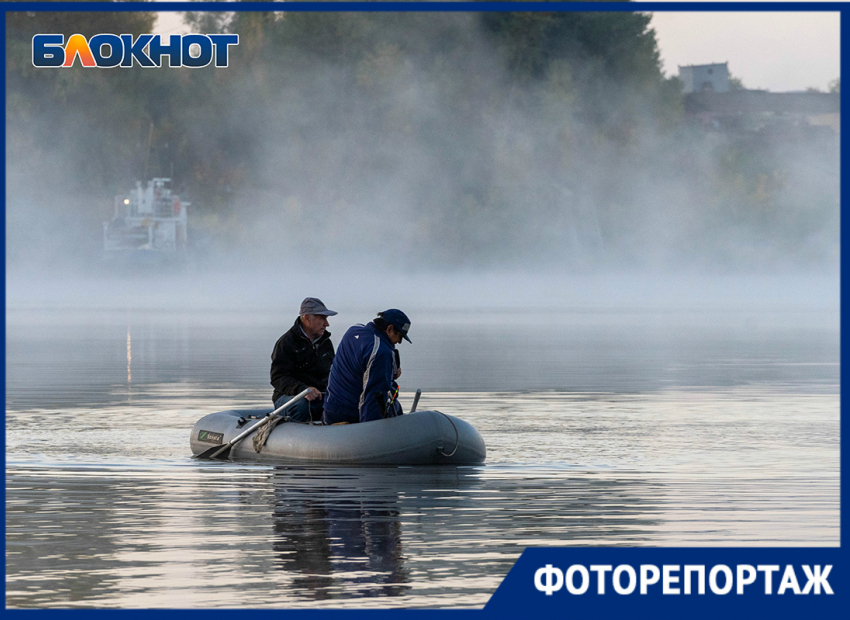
x,y
361,386
302,359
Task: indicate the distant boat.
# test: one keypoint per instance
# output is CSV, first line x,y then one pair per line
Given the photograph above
x,y
149,225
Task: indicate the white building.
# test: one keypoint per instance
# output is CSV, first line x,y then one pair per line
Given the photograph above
x,y
705,78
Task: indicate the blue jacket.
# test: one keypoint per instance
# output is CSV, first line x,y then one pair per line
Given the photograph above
x,y
361,375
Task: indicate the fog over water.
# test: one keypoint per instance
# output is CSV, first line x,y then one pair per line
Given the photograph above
x,y
429,177
465,292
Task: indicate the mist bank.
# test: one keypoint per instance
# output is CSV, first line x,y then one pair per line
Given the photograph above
x,y
363,294
411,143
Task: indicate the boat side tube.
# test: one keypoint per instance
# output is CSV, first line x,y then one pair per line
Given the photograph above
x,y
420,438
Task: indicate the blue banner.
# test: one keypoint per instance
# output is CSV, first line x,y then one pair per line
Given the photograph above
x,y
692,583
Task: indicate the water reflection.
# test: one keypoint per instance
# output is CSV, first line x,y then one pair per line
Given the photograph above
x,y
358,548
214,535
343,528
383,532
129,357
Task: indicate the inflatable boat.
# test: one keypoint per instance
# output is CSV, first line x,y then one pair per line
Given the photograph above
x,y
420,438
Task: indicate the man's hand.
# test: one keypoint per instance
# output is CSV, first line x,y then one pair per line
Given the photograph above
x,y
397,374
314,394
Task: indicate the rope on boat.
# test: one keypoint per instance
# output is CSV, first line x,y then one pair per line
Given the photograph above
x,y
457,435
262,435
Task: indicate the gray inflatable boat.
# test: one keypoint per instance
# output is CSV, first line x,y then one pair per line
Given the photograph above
x,y
420,438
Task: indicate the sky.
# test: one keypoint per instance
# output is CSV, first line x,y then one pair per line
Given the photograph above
x,y
776,51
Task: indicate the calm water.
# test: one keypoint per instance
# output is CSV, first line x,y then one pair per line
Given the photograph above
x,y
602,428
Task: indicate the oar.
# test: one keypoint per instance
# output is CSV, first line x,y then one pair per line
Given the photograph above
x,y
416,400
222,452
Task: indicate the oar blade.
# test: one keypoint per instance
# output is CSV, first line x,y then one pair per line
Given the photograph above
x,y
216,452
223,452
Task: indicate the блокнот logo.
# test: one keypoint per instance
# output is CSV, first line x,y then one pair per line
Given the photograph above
x,y
146,50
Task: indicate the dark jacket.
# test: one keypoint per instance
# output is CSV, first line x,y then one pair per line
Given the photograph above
x,y
297,364
361,376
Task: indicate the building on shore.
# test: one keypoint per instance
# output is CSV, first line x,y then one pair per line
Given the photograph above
x,y
710,101
712,78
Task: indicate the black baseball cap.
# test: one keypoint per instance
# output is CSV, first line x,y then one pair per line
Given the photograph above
x,y
397,319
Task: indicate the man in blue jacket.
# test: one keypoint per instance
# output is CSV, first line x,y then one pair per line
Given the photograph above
x,y
361,386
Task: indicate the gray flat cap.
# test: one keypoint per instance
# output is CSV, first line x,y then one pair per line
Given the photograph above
x,y
313,305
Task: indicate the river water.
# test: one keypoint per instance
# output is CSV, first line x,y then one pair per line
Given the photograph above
x,y
602,428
